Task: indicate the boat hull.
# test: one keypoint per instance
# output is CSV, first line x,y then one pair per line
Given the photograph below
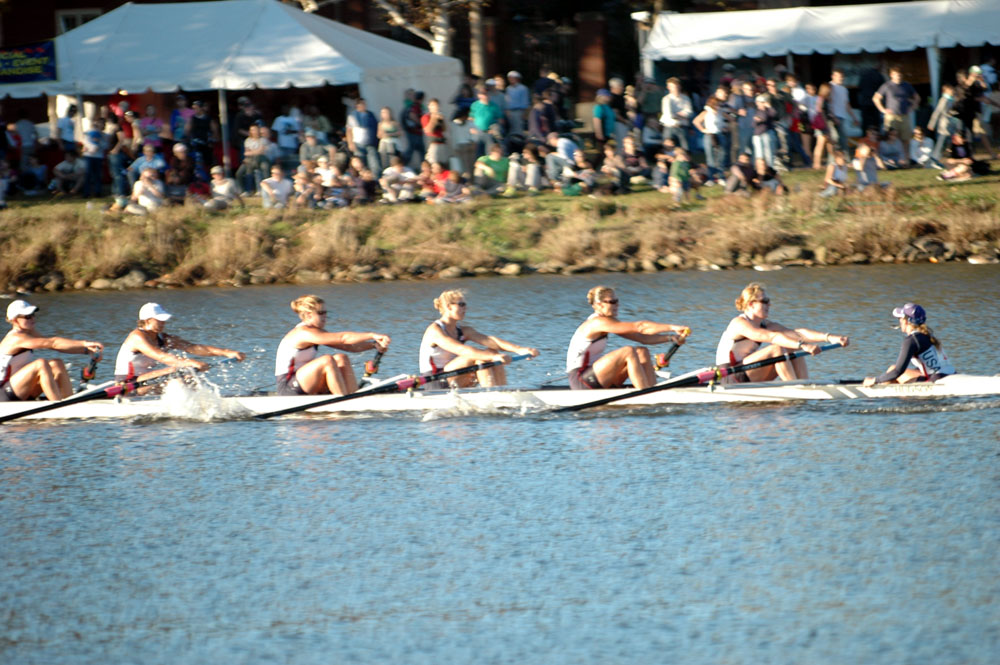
x,y
206,406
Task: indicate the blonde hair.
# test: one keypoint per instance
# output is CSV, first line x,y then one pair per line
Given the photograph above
x,y
751,292
597,293
922,328
446,298
306,304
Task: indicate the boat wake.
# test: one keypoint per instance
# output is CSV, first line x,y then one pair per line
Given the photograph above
x,y
201,402
930,406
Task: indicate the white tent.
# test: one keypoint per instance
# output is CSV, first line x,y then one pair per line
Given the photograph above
x,y
236,45
930,24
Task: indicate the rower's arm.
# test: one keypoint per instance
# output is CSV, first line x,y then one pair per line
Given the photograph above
x,y
61,344
458,348
644,332
351,342
498,344
906,353
139,343
203,349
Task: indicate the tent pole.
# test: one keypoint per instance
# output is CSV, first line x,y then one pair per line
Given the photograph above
x,y
934,67
224,129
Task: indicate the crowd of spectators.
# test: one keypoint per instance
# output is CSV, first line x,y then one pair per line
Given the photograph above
x,y
503,138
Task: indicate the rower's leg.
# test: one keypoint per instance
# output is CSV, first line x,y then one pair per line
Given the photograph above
x,y
462,380
614,368
47,380
343,364
645,363
493,376
61,378
320,375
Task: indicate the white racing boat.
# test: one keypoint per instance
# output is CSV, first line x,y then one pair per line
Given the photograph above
x,y
179,401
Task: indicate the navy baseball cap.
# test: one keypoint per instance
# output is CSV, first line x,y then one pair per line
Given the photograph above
x,y
915,314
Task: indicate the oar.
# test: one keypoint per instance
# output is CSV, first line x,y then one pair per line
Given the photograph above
x,y
101,392
389,387
695,378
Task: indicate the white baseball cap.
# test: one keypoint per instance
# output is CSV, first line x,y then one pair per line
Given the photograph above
x,y
152,310
20,308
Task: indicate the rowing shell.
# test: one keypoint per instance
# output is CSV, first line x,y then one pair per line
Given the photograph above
x,y
181,402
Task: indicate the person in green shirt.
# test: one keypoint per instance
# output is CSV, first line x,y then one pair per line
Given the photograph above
x,y
484,115
604,118
491,170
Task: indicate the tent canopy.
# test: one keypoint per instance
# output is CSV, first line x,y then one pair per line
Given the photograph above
x,y
802,30
236,45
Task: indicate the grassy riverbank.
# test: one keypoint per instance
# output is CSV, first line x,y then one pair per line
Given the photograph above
x,y
68,244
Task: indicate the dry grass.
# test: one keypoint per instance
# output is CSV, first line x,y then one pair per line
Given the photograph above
x,y
188,244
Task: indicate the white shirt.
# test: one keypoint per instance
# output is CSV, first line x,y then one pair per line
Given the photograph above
x,y
677,110
225,189
286,129
282,188
67,128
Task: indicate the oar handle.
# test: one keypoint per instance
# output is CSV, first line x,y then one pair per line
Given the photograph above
x,y
89,371
663,359
371,366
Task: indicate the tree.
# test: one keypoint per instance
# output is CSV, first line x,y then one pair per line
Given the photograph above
x,y
308,6
428,19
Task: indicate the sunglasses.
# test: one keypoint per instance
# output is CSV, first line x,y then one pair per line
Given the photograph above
x,y
321,312
30,317
461,303
613,301
764,301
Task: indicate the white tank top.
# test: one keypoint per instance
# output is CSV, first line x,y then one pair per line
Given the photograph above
x,y
932,361
432,357
130,362
11,363
726,352
289,359
583,352
711,121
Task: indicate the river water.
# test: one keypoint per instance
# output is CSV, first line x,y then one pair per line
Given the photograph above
x,y
852,532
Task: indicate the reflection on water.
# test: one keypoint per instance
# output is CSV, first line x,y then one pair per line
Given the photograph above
x,y
846,532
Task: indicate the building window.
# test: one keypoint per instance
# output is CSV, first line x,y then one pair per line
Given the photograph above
x,y
68,19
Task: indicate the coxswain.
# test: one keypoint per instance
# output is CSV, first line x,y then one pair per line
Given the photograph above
x,y
921,357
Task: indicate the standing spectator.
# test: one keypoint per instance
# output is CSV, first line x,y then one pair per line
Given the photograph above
x,y
650,98
66,126
413,112
287,135
619,105
676,113
543,82
943,121
709,122
276,190
463,99
319,123
485,117
246,117
803,102
542,118
29,136
496,88
390,135
202,130
255,162
763,130
840,109
870,81
895,99
604,118
780,99
976,105
7,178
150,127
434,125
518,102
821,125
362,135
744,105
118,157
93,156
179,118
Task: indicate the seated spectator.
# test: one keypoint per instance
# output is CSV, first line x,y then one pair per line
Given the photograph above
x,y
224,191
634,162
305,193
68,175
34,177
326,172
276,191
398,181
526,171
148,159
425,181
660,173
455,190
652,137
742,176
836,176
615,178
311,148
922,150
767,178
147,193
363,180
579,176
490,174
682,180
866,167
870,139
439,178
960,165
892,152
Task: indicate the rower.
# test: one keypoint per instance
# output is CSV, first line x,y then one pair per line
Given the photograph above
x,y
148,346
589,365
300,371
921,357
24,378
747,334
445,346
